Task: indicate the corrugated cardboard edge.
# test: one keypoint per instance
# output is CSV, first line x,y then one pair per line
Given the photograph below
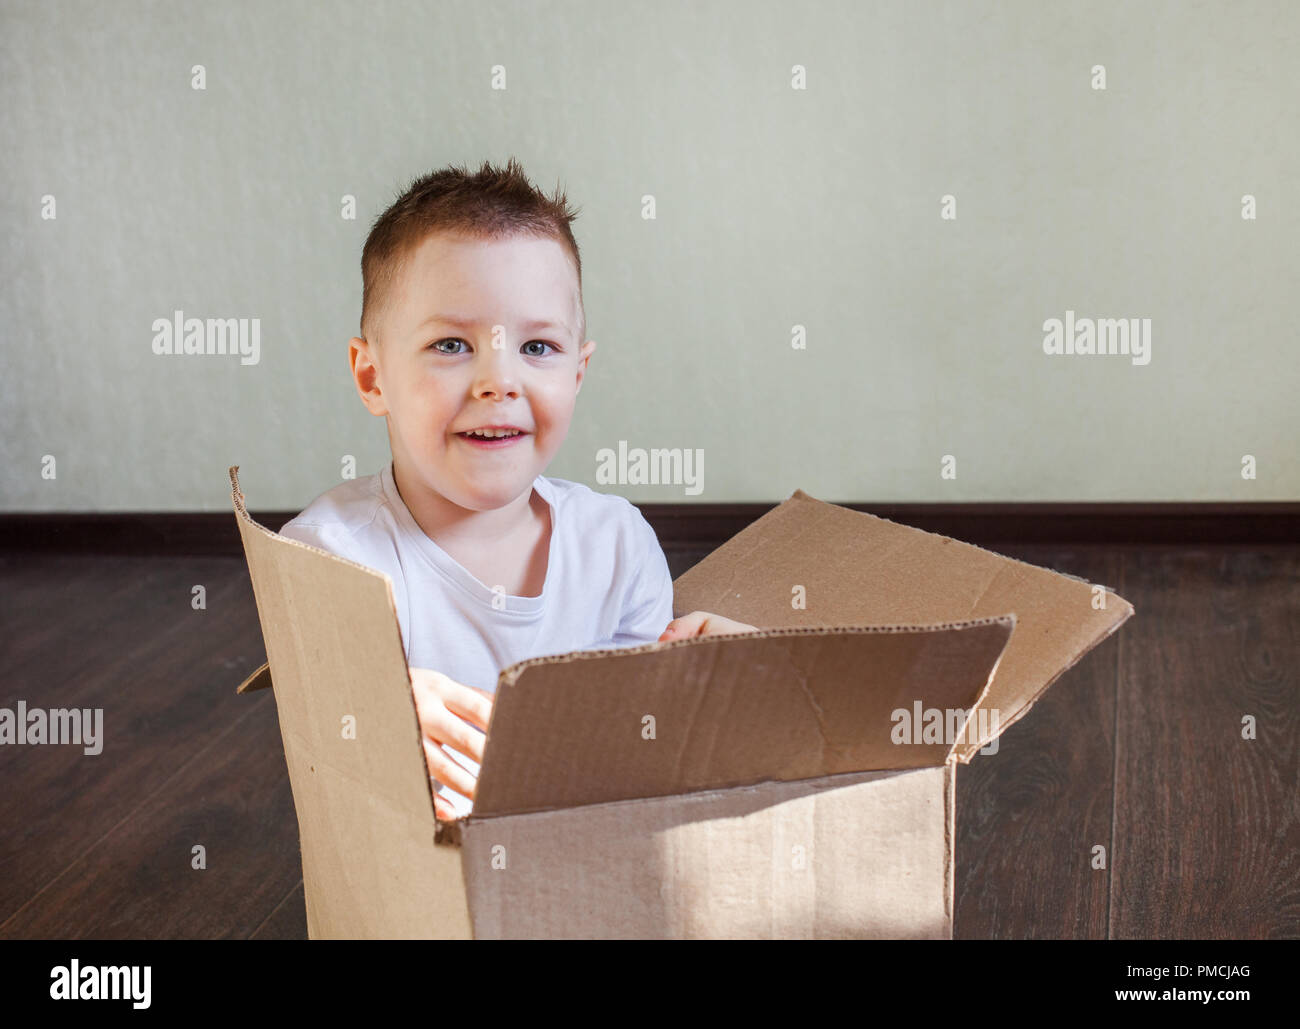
x,y
241,511
510,675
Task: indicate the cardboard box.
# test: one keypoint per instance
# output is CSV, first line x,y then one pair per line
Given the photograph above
x,y
757,785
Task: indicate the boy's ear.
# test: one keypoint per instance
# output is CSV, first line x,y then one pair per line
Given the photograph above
x,y
584,355
365,373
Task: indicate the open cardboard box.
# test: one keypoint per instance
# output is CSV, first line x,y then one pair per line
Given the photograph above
x,y
755,785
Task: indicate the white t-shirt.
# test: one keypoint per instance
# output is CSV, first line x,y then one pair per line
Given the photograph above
x,y
607,582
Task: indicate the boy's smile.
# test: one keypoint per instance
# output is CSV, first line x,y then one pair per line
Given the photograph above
x,y
477,368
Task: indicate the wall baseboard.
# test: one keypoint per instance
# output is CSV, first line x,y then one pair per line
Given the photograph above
x,y
688,525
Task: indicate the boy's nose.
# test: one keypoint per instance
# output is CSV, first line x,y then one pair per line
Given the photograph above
x,y
496,375
496,386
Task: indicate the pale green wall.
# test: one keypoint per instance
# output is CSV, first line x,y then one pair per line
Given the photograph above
x,y
775,207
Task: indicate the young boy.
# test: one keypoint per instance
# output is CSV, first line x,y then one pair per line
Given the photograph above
x,y
471,347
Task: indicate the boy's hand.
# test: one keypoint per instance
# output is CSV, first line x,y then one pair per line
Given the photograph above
x,y
701,623
447,709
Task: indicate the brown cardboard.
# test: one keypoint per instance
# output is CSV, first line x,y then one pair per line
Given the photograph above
x,y
740,785
876,862
858,569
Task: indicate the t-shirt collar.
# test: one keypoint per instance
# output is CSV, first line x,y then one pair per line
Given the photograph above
x,y
453,569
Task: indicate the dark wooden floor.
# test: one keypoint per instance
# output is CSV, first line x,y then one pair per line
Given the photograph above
x,y
1136,749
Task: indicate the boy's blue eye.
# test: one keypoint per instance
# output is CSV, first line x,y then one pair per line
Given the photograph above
x,y
437,345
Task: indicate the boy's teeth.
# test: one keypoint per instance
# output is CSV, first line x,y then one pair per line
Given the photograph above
x,y
493,433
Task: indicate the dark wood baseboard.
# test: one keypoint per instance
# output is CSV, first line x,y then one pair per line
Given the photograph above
x,y
707,525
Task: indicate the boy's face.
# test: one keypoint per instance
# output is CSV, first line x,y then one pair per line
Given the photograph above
x,y
435,379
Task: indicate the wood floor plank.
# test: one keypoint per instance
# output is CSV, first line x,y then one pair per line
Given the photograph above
x,y
1207,834
138,882
54,609
289,919
163,676
1029,815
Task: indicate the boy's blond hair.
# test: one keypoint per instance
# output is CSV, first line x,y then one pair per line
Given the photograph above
x,y
492,203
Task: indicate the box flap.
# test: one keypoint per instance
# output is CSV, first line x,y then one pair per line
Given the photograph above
x,y
259,680
850,568
352,743
713,712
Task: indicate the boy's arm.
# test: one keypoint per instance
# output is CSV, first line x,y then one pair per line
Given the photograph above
x,y
648,611
648,603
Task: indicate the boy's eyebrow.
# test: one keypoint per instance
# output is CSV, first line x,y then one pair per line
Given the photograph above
x,y
468,323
